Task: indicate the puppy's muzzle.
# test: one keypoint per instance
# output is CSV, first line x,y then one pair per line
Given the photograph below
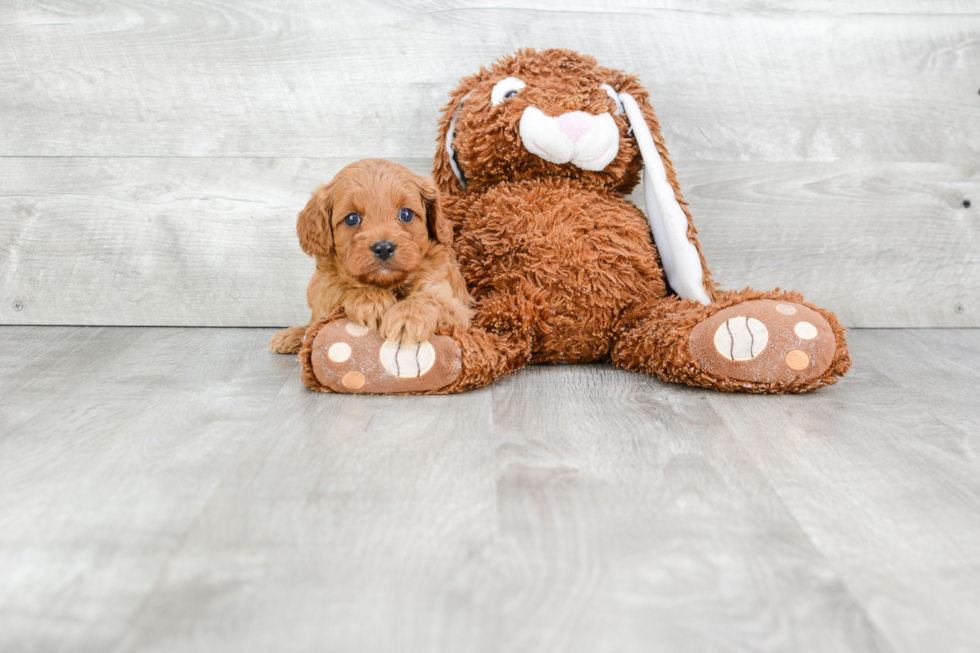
x,y
383,249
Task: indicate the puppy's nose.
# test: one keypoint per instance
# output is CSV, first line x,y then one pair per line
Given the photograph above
x,y
383,249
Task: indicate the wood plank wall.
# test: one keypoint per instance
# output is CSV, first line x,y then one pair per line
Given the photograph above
x,y
153,155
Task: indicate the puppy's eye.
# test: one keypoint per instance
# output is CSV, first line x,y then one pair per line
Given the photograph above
x,y
352,220
406,215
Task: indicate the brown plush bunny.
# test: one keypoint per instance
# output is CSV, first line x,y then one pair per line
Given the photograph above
x,y
534,158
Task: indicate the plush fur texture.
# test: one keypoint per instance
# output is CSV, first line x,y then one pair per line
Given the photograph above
x,y
405,296
487,138
671,321
563,268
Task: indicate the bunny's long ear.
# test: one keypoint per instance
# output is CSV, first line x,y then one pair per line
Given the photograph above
x,y
673,230
446,170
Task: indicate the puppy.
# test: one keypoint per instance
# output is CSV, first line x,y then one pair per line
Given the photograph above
x,y
383,253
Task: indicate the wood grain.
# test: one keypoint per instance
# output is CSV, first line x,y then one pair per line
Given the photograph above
x,y
629,517
732,81
179,490
211,242
347,524
825,146
42,366
882,245
938,386
168,489
100,486
884,483
156,241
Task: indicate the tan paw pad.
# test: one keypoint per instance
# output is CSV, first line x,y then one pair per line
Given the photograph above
x,y
348,357
741,338
356,330
338,352
797,360
805,330
764,341
353,380
408,361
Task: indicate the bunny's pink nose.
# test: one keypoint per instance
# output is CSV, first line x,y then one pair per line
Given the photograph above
x,y
575,124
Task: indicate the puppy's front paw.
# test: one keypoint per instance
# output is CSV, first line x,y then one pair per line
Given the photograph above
x,y
454,313
409,322
368,307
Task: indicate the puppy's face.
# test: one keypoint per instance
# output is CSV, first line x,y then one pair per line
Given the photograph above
x,y
377,218
379,230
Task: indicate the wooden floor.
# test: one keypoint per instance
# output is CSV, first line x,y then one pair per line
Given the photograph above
x,y
176,489
168,489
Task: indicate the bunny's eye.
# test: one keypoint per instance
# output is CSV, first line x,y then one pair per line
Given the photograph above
x,y
614,96
505,89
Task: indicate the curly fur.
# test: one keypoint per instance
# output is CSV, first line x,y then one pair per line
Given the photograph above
x,y
562,267
674,319
407,296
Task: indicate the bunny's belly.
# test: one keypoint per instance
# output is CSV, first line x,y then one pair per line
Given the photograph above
x,y
557,259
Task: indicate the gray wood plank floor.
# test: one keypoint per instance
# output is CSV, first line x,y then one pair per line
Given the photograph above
x,y
166,489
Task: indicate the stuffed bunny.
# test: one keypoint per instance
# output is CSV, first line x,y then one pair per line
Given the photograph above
x,y
534,158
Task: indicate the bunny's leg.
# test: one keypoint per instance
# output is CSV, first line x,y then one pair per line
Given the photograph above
x,y
748,341
341,356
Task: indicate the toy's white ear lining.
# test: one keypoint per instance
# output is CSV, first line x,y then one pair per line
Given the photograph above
x,y
679,256
453,163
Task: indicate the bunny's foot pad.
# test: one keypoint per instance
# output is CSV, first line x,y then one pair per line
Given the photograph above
x,y
350,358
764,341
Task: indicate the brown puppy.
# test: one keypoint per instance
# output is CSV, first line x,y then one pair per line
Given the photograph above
x,y
383,253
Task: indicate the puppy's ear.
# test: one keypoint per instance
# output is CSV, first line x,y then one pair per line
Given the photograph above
x,y
313,224
439,227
